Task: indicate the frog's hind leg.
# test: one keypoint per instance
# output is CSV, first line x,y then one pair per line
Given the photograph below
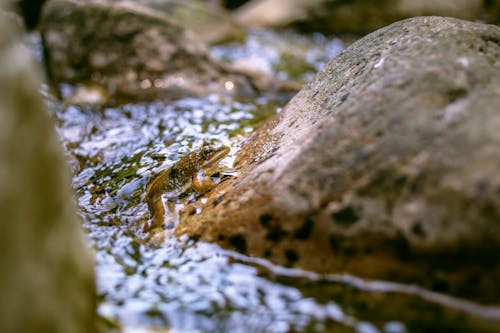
x,y
172,216
157,212
164,215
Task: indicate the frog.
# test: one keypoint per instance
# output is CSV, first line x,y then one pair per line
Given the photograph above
x,y
191,173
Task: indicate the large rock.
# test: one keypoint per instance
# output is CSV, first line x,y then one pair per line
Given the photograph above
x,y
47,282
387,165
209,21
358,16
132,51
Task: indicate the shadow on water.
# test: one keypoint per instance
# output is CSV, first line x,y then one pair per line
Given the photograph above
x,y
196,286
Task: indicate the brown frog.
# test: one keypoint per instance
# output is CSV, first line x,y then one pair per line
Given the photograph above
x,y
191,172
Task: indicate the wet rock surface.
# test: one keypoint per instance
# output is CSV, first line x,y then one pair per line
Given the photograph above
x,y
386,165
47,281
358,16
133,52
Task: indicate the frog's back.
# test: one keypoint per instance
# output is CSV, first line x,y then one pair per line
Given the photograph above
x,y
163,183
172,181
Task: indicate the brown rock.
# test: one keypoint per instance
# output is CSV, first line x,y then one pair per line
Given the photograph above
x,y
386,165
47,282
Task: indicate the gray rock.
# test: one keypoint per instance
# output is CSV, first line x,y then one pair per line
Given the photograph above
x,y
358,16
386,165
47,282
132,51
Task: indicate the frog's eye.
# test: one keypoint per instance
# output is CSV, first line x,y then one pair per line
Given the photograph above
x,y
206,152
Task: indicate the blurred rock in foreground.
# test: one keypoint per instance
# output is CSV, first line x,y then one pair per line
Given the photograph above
x,y
386,165
47,282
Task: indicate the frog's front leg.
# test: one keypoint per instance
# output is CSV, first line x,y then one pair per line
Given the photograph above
x,y
202,183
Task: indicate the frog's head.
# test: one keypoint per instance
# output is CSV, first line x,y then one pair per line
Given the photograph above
x,y
211,154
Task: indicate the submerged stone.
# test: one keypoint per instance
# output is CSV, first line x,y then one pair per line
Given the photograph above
x,y
386,165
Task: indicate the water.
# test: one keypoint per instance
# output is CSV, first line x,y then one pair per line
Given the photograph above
x,y
199,287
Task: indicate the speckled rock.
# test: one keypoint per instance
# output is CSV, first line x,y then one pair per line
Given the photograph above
x,y
386,165
358,16
47,282
133,51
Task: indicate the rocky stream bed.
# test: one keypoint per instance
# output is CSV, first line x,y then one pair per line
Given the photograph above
x,y
361,192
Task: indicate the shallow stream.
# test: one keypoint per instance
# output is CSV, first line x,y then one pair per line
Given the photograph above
x,y
192,286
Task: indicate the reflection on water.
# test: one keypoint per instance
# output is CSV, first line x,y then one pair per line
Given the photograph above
x,y
196,286
284,54
199,286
